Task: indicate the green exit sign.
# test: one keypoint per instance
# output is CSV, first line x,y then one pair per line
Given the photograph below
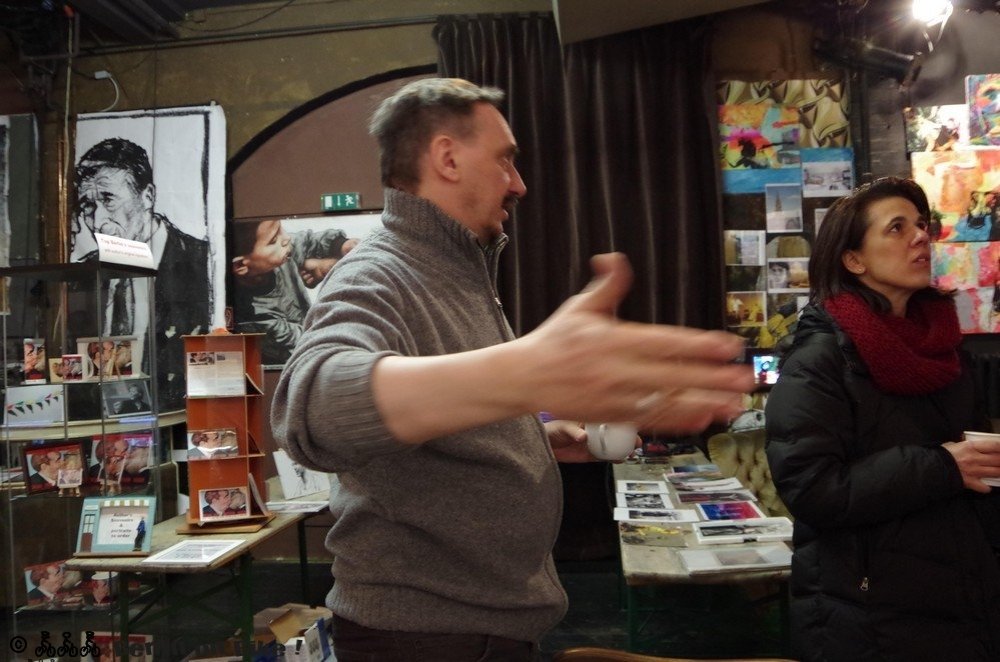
x,y
339,201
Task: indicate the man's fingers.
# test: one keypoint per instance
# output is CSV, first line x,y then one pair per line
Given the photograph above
x,y
611,282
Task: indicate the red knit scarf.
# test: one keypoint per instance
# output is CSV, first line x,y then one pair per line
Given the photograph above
x,y
912,355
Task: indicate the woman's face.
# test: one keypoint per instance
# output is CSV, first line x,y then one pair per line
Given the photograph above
x,y
895,254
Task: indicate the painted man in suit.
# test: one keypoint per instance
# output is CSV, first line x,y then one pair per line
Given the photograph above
x,y
116,196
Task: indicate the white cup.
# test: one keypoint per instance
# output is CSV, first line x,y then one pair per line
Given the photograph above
x,y
611,441
983,436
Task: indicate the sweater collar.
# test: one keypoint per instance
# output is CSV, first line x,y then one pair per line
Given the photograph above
x,y
409,214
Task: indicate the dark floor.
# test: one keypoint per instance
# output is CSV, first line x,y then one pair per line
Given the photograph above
x,y
681,621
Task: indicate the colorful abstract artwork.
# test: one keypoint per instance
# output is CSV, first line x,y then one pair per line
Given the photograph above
x,y
758,135
823,105
977,310
982,96
963,188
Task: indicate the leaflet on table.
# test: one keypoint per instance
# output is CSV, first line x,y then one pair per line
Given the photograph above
x,y
653,533
744,557
693,469
297,506
767,529
215,374
195,551
656,514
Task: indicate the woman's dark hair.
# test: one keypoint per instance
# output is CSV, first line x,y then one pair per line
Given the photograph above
x,y
843,229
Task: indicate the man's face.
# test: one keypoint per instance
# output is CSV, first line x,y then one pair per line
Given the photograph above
x,y
53,580
221,500
271,248
490,185
107,204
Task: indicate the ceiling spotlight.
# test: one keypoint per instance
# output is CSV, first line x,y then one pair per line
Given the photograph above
x,y
932,12
861,54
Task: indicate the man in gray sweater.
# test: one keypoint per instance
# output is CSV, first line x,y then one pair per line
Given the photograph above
x,y
408,382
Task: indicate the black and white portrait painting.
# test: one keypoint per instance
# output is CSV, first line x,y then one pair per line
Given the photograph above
x,y
157,177
277,267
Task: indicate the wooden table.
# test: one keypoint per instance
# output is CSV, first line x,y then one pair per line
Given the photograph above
x,y
647,565
164,535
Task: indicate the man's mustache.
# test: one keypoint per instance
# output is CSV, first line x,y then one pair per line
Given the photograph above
x,y
510,201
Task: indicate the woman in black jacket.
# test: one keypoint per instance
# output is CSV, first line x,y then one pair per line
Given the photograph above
x,y
892,558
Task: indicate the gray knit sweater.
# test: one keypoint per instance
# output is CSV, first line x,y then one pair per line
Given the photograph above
x,y
453,535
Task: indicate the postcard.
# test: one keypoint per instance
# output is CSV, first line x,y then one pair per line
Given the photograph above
x,y
126,398
715,497
694,469
210,444
767,529
110,357
52,585
655,515
706,484
34,361
223,503
730,510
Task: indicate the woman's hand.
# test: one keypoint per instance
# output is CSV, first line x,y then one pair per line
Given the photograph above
x,y
976,460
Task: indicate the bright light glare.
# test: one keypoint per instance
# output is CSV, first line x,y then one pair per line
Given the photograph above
x,y
932,12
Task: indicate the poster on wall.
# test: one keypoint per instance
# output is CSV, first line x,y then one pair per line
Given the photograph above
x,y
972,271
758,135
278,265
827,173
963,189
157,176
783,203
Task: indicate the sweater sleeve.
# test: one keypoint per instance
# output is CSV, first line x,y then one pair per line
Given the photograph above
x,y
323,412
812,451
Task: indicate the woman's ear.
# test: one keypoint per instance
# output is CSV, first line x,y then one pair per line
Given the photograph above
x,y
852,262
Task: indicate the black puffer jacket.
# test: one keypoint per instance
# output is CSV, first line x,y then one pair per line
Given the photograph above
x,y
891,555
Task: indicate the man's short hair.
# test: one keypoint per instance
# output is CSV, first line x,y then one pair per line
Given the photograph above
x,y
404,123
119,154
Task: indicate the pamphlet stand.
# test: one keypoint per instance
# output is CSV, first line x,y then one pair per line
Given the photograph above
x,y
222,403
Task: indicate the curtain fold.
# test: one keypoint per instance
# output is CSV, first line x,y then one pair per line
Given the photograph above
x,y
617,139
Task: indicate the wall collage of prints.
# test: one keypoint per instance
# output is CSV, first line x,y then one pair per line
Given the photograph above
x,y
785,157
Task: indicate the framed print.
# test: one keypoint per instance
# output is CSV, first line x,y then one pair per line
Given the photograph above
x,y
121,459
274,302
210,444
110,358
38,404
126,398
116,526
44,462
50,585
224,503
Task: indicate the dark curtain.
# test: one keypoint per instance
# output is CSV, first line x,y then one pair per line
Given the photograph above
x,y
617,152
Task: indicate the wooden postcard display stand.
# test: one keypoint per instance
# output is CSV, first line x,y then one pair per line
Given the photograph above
x,y
219,406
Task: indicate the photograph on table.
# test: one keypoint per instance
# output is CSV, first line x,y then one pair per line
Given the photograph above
x,y
656,534
642,500
120,526
655,514
729,510
768,529
224,503
44,461
126,398
51,586
209,444
743,557
36,404
783,203
642,486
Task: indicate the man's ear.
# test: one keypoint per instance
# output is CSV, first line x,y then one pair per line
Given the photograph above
x,y
148,197
442,157
852,262
241,266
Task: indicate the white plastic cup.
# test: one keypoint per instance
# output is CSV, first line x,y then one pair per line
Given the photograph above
x,y
611,441
983,436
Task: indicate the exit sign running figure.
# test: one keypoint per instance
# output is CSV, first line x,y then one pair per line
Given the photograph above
x,y
340,201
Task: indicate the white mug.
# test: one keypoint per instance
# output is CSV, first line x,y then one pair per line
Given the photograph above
x,y
983,436
611,441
